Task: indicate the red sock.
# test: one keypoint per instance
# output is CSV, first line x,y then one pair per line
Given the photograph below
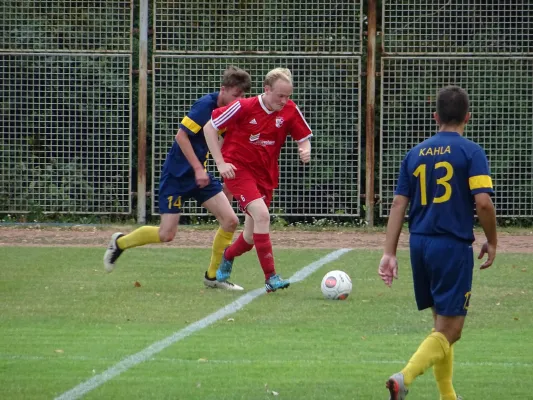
x,y
263,246
240,246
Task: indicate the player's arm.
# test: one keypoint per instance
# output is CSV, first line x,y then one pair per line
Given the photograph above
x,y
398,208
220,119
186,147
487,218
395,223
480,184
388,266
191,125
301,132
227,170
212,140
304,148
225,189
202,179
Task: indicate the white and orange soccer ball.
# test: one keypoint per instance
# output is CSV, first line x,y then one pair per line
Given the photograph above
x,y
336,285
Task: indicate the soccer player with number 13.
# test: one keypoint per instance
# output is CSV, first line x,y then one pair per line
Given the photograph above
x,y
443,178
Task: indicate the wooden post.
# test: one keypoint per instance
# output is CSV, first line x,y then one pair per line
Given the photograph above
x,y
370,112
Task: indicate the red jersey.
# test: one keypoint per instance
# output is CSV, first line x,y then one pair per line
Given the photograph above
x,y
254,135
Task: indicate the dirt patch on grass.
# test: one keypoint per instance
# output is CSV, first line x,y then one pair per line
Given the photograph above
x,y
82,236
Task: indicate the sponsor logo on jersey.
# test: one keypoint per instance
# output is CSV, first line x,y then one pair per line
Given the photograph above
x,y
255,140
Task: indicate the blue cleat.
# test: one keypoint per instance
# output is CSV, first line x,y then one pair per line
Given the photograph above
x,y
276,282
224,269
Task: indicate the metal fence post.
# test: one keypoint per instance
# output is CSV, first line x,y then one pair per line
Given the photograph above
x,y
143,110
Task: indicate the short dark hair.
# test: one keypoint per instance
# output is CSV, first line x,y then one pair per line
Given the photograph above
x,y
452,105
236,77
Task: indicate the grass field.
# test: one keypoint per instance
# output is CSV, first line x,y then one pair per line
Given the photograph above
x,y
64,321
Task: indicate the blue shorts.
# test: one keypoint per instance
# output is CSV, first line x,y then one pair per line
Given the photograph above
x,y
442,273
173,192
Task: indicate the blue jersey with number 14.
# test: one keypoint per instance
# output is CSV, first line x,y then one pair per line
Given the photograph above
x,y
440,176
176,163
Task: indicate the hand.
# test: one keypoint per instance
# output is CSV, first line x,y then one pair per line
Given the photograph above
x,y
490,250
227,170
202,178
388,269
305,155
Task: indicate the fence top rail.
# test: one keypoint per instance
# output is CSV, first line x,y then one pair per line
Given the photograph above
x,y
62,53
255,55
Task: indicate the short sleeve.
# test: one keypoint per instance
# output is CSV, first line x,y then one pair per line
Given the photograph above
x,y
479,179
196,118
223,116
402,186
299,128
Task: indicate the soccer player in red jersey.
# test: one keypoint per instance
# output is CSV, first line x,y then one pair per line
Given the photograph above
x,y
184,176
255,130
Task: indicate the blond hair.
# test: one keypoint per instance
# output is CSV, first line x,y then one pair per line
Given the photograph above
x,y
277,74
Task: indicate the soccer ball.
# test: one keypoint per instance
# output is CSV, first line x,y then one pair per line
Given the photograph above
x,y
336,285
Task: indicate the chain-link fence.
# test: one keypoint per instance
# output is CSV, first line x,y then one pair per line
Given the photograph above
x,y
477,27
327,92
65,106
501,95
319,41
487,38
66,100
63,25
296,27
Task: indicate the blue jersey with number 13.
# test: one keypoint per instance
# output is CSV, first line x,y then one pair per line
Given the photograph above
x,y
440,176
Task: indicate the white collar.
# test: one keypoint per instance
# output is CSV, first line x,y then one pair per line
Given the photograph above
x,y
263,104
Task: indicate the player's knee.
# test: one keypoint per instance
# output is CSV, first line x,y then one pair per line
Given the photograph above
x,y
230,225
248,237
262,218
452,335
167,236
455,337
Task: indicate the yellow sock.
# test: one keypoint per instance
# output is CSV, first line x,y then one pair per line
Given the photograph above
x,y
221,241
443,371
141,236
432,350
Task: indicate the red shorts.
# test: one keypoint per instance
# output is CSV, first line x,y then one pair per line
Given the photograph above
x,y
245,189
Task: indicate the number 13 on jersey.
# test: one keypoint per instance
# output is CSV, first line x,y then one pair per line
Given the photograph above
x,y
420,173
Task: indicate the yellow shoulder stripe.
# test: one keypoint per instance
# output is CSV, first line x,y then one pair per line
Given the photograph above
x,y
479,182
191,125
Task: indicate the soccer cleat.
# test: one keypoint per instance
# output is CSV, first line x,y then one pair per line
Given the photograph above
x,y
216,284
113,252
459,398
276,282
224,269
396,387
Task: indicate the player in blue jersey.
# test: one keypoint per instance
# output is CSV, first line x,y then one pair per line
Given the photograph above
x,y
184,176
443,178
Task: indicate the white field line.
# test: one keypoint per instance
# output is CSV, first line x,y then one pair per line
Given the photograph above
x,y
501,364
146,354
